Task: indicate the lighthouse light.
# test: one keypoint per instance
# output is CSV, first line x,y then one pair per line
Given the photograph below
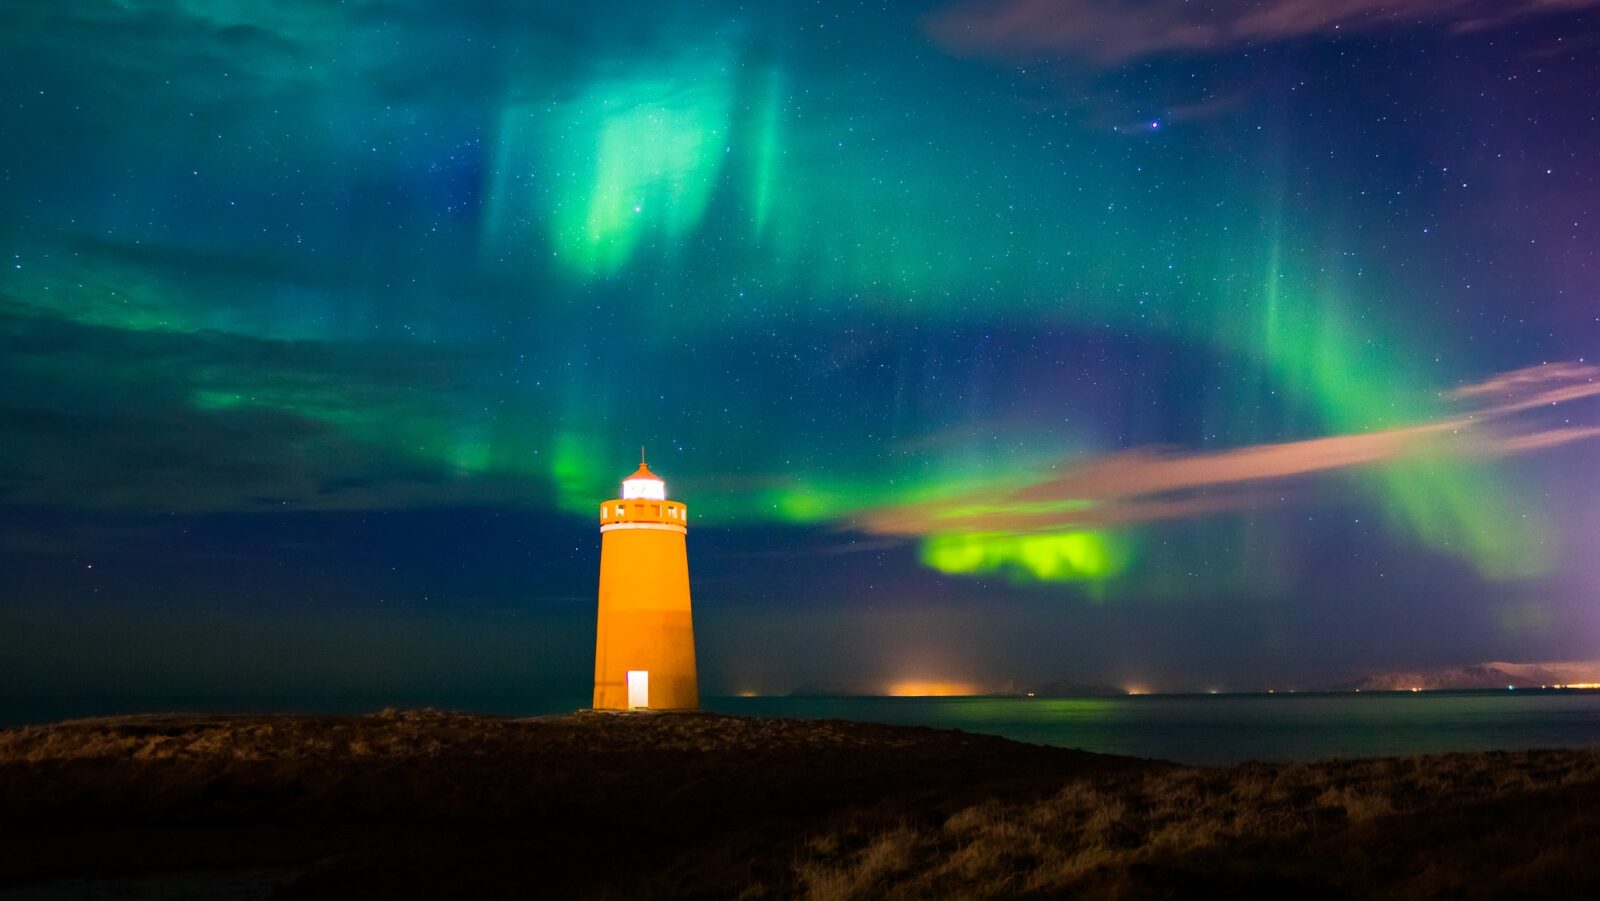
x,y
644,489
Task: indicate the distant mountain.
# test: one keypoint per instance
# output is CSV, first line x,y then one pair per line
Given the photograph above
x,y
1065,688
1060,688
1480,675
833,690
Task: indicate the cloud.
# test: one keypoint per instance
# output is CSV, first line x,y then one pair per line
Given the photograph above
x,y
1536,386
1150,484
1109,32
108,418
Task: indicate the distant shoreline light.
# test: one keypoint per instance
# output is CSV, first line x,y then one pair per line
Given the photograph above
x,y
921,689
931,689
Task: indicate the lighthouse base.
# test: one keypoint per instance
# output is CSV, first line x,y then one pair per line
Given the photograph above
x,y
644,643
646,662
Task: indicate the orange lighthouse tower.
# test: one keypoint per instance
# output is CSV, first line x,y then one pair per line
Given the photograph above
x,y
644,643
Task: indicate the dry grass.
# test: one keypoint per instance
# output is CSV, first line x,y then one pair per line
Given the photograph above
x,y
1323,827
429,804
886,856
410,734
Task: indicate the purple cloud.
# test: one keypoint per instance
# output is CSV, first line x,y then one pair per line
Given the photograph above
x,y
1109,32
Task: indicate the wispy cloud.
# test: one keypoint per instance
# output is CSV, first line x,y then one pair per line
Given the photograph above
x,y
305,427
1114,31
1148,484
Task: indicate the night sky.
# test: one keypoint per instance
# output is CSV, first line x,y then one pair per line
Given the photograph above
x,y
1171,345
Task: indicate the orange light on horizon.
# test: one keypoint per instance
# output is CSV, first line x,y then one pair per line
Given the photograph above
x,y
917,689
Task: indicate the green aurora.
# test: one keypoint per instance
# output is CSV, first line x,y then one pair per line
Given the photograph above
x,y
701,234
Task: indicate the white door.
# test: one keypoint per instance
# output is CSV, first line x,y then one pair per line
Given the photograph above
x,y
638,689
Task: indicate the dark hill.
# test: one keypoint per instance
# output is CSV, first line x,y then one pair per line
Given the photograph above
x,y
428,804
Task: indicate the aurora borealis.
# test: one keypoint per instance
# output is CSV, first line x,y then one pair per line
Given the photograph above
x,y
987,341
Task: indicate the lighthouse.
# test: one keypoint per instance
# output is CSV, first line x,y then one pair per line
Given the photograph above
x,y
644,641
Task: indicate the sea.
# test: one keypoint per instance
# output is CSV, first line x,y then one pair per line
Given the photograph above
x,y
1226,729
1198,729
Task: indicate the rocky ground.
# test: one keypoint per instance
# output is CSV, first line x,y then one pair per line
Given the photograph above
x,y
430,804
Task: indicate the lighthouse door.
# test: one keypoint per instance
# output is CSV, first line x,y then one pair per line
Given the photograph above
x,y
638,689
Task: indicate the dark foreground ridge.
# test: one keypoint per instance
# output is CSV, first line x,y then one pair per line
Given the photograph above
x,y
429,804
